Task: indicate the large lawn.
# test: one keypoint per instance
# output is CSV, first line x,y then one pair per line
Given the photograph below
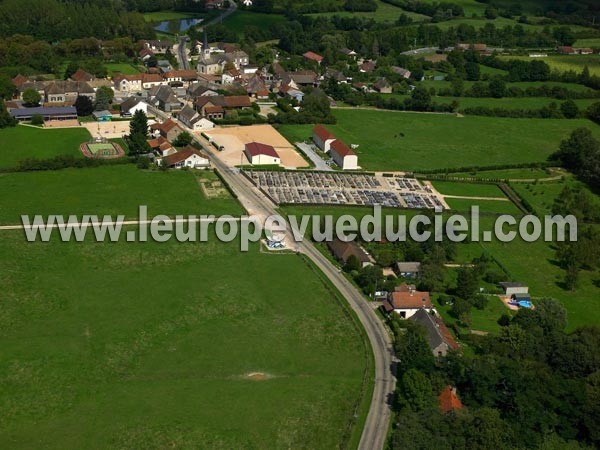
x,y
154,346
107,190
123,68
384,13
242,19
505,103
487,202
159,16
410,141
564,63
22,142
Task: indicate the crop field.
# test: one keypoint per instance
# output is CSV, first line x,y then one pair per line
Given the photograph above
x,y
154,346
411,141
22,142
103,190
564,63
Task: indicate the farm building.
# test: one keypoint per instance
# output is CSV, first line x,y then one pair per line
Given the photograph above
x,y
261,154
188,157
407,301
343,156
438,336
512,288
322,138
344,250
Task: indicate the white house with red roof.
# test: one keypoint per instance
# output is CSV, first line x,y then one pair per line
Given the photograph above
x,y
323,138
261,154
187,157
343,155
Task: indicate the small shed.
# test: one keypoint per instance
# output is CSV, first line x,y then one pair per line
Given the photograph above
x,y
514,287
102,116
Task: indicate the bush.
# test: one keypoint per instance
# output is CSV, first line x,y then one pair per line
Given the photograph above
x,y
37,119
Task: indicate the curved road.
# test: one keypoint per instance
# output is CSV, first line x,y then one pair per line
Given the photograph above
x,y
376,426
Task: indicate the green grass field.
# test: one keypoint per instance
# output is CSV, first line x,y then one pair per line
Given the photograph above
x,y
485,320
103,190
490,206
506,174
468,189
160,16
593,42
535,264
124,68
241,19
542,195
470,7
152,346
522,84
433,141
505,103
22,142
485,206
567,62
385,13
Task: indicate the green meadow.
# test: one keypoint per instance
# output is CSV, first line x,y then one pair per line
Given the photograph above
x,y
420,142
154,346
242,19
22,142
110,190
564,63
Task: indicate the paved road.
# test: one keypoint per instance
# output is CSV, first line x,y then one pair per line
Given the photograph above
x,y
184,63
320,163
232,8
378,419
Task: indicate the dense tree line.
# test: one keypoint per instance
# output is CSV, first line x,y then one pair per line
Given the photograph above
x,y
580,153
53,20
531,386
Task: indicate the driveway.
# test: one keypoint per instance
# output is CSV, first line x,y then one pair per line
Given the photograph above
x,y
320,163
